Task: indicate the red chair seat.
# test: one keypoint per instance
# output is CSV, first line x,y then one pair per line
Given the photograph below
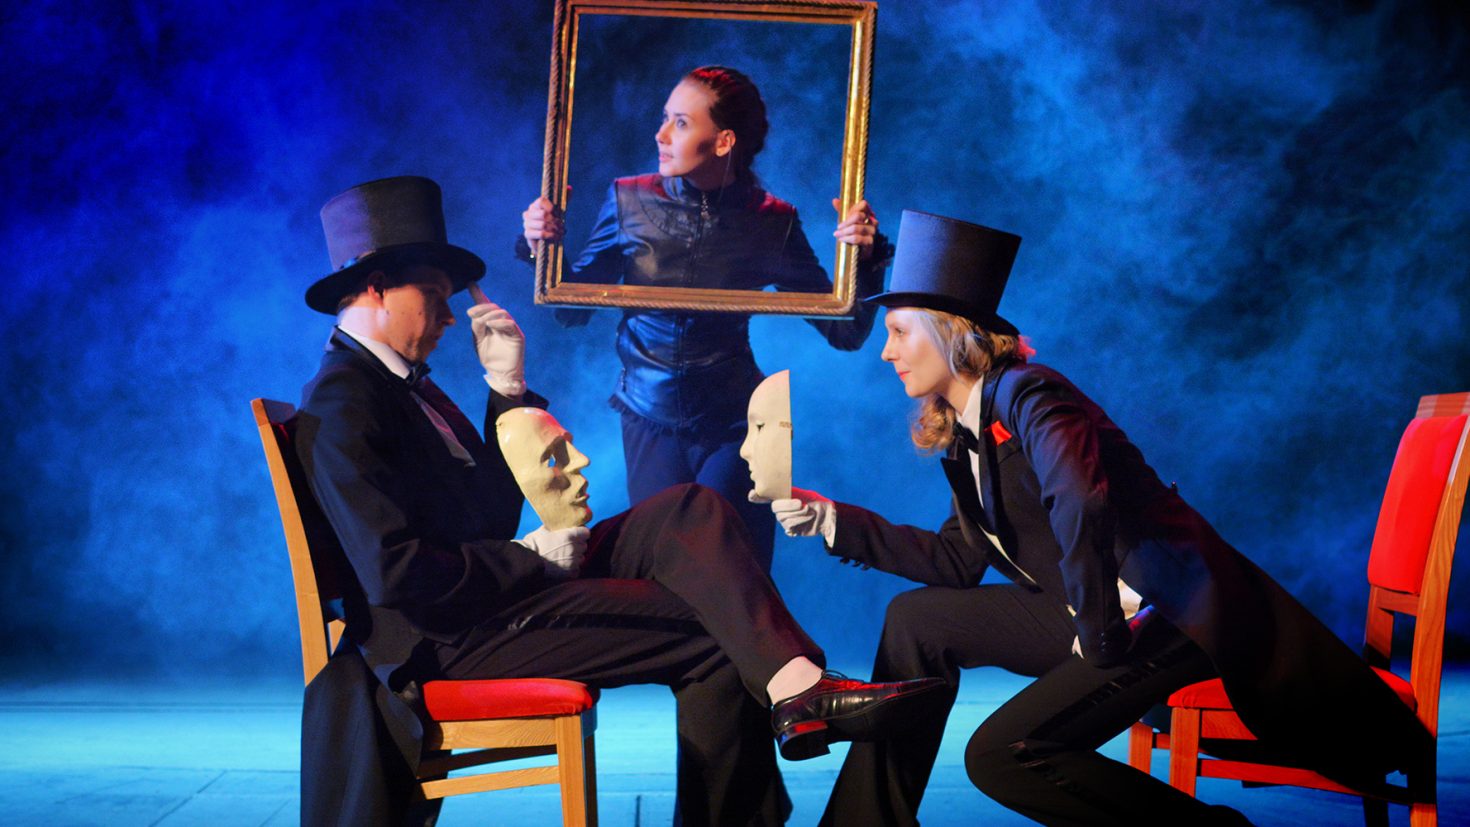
x,y
506,698
1210,694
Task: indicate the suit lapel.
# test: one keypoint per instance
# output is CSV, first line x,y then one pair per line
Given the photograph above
x,y
458,422
990,488
962,482
984,507
463,430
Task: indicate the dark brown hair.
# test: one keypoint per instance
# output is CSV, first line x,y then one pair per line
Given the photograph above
x,y
738,107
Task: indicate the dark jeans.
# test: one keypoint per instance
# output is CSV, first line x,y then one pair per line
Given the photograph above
x,y
658,458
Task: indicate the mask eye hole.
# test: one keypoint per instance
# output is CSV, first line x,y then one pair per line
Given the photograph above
x,y
558,456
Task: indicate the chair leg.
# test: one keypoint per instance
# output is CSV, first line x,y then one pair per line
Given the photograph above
x,y
1424,815
589,761
1141,747
571,771
1184,749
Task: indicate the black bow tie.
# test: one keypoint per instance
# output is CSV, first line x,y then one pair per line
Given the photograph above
x,y
966,439
416,373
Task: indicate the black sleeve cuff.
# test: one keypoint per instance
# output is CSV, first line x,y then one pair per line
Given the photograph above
x,y
523,250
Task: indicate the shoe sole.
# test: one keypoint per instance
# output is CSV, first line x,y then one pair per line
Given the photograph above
x,y
810,739
803,741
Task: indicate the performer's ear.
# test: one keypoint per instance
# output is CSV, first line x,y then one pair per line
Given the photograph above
x,y
725,142
377,281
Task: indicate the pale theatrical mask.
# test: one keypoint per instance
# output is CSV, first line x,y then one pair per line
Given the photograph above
x,y
767,445
546,465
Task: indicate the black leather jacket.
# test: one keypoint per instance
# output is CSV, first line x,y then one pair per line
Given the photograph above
x,y
687,370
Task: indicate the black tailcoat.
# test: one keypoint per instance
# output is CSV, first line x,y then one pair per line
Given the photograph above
x,y
402,504
1075,506
435,587
413,521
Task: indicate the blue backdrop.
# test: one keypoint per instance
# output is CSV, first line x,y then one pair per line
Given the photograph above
x,y
1246,233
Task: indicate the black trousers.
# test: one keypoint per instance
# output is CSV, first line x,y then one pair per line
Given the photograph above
x,y
670,594
1037,753
658,458
936,632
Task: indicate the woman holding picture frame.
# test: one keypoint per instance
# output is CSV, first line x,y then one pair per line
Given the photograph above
x,y
703,220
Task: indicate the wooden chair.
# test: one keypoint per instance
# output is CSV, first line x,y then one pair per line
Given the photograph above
x,y
494,720
1408,573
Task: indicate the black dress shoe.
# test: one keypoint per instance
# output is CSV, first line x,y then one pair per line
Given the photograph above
x,y
837,708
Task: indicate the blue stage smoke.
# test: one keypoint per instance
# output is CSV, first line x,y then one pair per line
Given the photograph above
x,y
1245,225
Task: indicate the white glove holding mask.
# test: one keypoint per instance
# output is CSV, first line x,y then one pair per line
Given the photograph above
x,y
500,344
806,514
561,550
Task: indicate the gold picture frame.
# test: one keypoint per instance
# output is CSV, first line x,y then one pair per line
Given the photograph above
x,y
823,19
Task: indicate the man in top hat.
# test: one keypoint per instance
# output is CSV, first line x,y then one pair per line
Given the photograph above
x,y
426,513
1116,592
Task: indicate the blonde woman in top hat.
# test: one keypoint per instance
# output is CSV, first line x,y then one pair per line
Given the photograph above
x,y
1118,592
703,220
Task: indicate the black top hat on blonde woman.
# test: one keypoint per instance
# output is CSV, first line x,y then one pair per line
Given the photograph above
x,y
390,222
951,265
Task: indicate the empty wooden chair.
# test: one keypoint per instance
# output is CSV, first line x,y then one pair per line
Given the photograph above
x,y
1408,574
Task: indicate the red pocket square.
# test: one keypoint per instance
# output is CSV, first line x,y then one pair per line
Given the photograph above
x,y
998,432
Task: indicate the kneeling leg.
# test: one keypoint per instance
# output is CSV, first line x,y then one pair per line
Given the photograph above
x,y
1037,754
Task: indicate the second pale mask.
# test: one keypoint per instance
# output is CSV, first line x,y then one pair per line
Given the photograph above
x,y
767,446
546,465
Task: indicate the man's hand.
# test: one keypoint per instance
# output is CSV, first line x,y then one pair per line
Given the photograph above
x,y
500,344
806,514
859,226
561,550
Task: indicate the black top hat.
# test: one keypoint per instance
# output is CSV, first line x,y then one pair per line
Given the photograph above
x,y
386,223
953,266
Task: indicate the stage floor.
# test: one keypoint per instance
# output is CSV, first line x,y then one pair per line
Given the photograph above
x,y
126,754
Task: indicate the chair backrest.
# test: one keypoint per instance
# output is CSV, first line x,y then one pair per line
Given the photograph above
x,y
317,562
1414,543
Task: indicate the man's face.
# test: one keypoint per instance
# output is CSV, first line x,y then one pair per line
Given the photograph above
x,y
411,318
546,465
767,445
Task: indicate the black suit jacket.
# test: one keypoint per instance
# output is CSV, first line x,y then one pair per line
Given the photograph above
x,y
427,536
427,539
1076,506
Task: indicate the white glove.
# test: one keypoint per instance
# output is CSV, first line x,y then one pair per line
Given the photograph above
x,y
500,344
806,514
561,550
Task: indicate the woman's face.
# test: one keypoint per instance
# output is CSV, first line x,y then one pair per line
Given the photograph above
x,y
921,367
689,143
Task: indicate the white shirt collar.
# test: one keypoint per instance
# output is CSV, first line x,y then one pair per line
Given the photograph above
x,y
970,416
390,358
